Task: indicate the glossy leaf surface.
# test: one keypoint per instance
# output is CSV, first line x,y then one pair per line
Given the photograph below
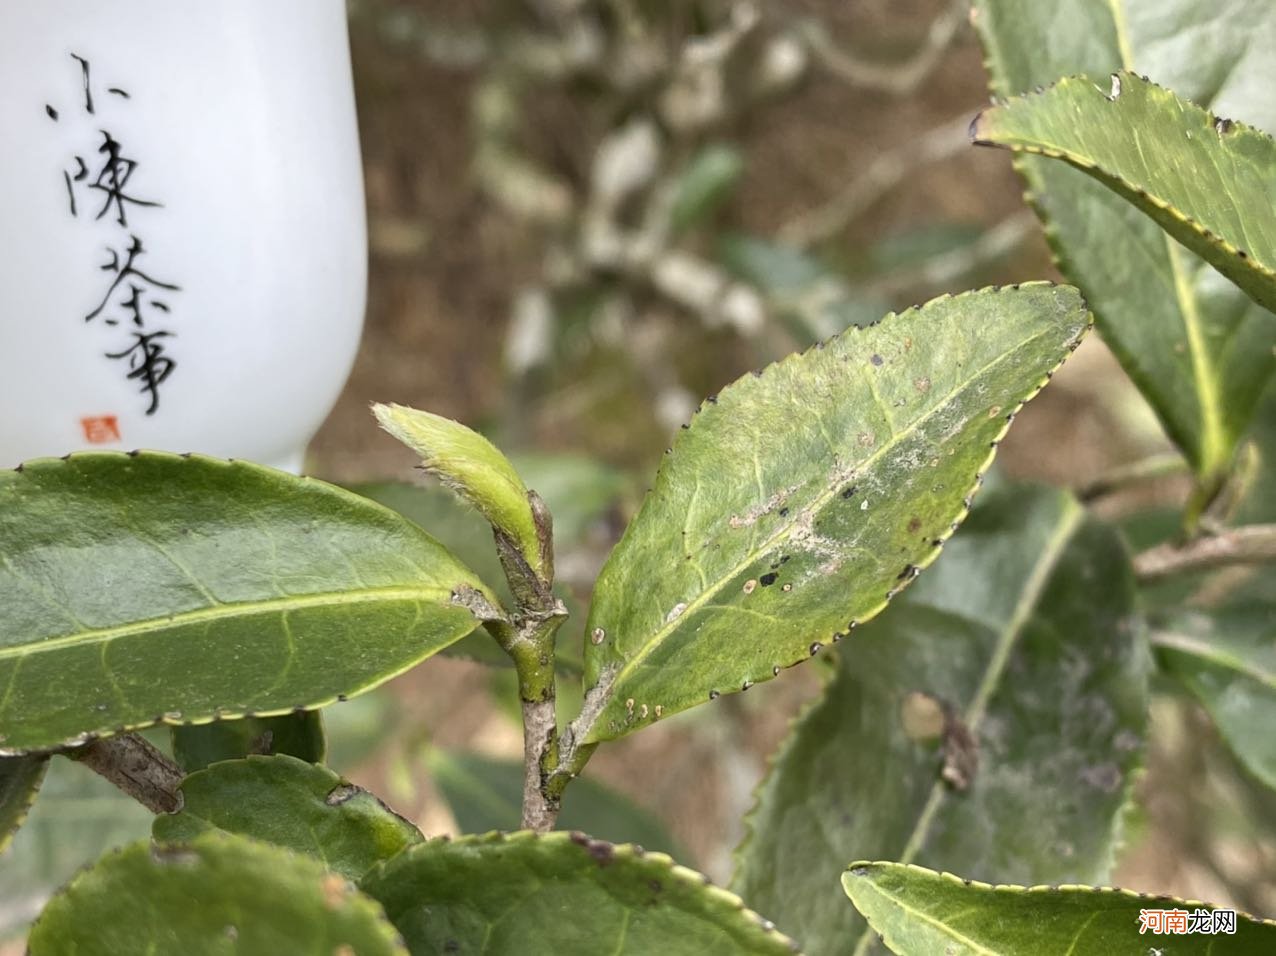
x,y
1209,182
20,779
1198,348
299,735
989,723
293,804
476,470
486,794
557,894
219,894
154,588
922,913
802,499
1227,659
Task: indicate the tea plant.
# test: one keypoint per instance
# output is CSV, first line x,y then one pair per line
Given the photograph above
x,y
989,724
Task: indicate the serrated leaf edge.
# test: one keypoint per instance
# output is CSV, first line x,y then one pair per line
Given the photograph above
x,y
1235,128
863,868
598,848
6,836
598,696
168,720
352,895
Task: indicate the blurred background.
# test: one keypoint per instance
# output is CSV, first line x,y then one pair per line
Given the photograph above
x,y
587,215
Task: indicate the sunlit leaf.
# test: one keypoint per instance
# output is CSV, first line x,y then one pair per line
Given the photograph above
x,y
802,499
922,913
149,588
1198,348
476,470
1208,182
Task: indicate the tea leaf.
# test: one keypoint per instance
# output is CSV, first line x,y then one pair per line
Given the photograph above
x,y
1197,347
219,894
156,589
990,724
923,913
476,470
561,893
1208,182
802,499
293,804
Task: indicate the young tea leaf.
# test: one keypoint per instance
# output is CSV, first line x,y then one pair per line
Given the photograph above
x,y
476,470
151,588
218,894
1227,659
919,912
561,893
990,724
1197,347
802,499
1209,182
293,804
20,779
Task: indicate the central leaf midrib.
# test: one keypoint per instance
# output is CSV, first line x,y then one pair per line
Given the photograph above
x,y
1068,522
229,611
817,504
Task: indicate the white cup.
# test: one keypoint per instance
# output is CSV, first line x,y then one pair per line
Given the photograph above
x,y
183,250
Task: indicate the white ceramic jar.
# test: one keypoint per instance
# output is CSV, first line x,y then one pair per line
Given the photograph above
x,y
183,254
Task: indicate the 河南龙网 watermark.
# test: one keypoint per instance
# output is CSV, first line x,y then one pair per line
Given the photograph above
x,y
1182,922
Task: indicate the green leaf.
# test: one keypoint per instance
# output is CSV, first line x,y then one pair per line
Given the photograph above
x,y
476,470
293,804
923,913
704,186
1208,182
989,724
77,818
560,893
220,894
300,735
149,588
802,499
1227,659
486,794
20,779
1198,348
